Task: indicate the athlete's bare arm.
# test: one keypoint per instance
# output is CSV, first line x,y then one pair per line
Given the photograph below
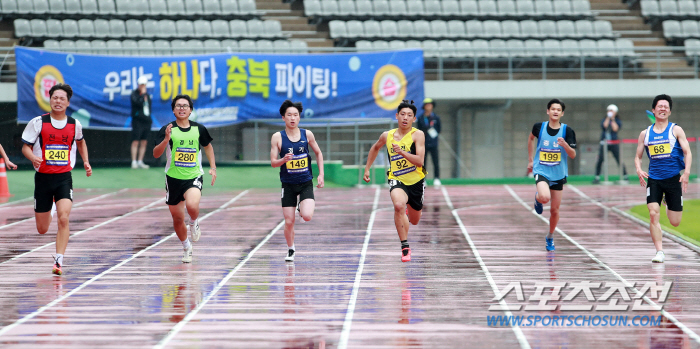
x,y
571,152
82,149
9,163
638,160
209,151
530,151
27,152
160,148
419,157
275,150
683,141
373,151
319,156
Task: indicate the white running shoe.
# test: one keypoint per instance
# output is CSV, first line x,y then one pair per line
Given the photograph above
x,y
290,255
134,164
195,232
140,164
187,256
659,258
437,183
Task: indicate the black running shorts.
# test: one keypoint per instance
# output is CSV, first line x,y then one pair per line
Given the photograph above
x,y
656,188
553,185
140,130
175,189
291,191
51,187
414,191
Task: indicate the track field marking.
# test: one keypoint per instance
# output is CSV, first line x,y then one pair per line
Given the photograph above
x,y
504,306
16,202
96,277
680,325
347,324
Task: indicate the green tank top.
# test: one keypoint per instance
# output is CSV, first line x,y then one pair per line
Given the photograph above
x,y
184,156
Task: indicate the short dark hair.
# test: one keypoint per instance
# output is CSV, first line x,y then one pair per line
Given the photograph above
x,y
64,87
556,101
288,104
407,104
187,97
662,98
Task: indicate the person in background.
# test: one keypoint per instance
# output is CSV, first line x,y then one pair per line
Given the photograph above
x,y
611,124
140,123
429,123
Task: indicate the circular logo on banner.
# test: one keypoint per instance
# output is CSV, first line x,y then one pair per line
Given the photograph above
x,y
44,80
389,87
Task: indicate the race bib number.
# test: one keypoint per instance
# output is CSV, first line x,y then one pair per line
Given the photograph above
x,y
550,157
660,150
299,163
56,155
185,157
401,166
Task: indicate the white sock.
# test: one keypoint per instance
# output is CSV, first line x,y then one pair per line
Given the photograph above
x,y
59,259
292,248
186,244
550,236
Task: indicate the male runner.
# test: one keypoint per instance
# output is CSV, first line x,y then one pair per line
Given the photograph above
x,y
9,163
551,165
405,147
181,140
666,146
290,152
59,135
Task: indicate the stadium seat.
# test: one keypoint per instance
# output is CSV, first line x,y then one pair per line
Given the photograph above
x,y
488,8
463,49
544,8
588,47
194,7
438,29
329,8
40,7
9,6
507,8
229,7
101,28
162,47
432,8
475,29
166,28
246,7
282,46
692,47
566,29
88,7
180,47
533,48
99,47
672,29
668,8
212,46
38,28
52,45
380,45
86,28
510,29
133,27
83,47
312,8
67,45
607,48
603,29
195,47
625,47
498,48
124,7
220,28
450,7
516,48
247,45
372,29
106,7
389,29
528,29
689,28
70,7
687,8
413,8
552,48
273,28
114,47
238,28
70,28
447,48
229,45
117,28
202,29
406,28
397,6
413,44
211,7
421,29
185,28
363,45
456,29
139,8
151,28
469,8
526,8
562,8
146,47
354,29
492,29
175,8
584,29
481,48
363,8
57,7
569,48
264,47
345,9
158,8
650,8
581,8
130,48
397,45
337,29
24,7
547,29
299,46
54,28
431,48
256,29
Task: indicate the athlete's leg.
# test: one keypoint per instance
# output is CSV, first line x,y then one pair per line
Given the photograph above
x,y
543,194
178,213
306,209
192,198
655,225
289,214
43,220
554,209
399,198
134,150
63,208
142,149
674,217
413,215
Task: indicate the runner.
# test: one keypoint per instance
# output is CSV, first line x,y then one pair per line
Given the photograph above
x,y
59,135
9,163
405,147
181,141
666,146
290,152
551,168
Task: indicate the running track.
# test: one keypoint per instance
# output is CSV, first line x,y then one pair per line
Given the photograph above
x,y
124,284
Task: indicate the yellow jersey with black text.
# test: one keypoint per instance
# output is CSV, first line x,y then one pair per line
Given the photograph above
x,y
402,169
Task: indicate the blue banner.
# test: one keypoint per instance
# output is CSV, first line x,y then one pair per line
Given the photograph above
x,y
226,88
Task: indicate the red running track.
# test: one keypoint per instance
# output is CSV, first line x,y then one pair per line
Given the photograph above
x,y
124,284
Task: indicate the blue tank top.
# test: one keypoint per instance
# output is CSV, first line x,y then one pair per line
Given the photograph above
x,y
550,159
299,169
666,157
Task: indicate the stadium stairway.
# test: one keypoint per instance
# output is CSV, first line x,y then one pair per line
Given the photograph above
x,y
294,23
628,23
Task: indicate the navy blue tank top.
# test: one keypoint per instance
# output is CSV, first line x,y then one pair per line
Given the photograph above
x,y
298,170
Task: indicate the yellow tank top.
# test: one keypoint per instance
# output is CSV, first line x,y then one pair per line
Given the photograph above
x,y
401,169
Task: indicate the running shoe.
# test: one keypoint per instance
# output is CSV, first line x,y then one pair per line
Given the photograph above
x,y
57,269
550,244
659,258
140,164
290,255
538,206
195,232
134,164
406,254
187,256
437,183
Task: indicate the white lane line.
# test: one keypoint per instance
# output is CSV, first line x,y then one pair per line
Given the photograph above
x,y
96,277
634,219
74,206
504,306
347,324
685,329
16,202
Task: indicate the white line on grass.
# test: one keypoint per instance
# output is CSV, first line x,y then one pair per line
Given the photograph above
x,y
636,220
345,334
685,329
96,277
74,206
504,306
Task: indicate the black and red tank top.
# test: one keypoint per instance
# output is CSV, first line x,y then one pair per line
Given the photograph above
x,y
56,146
